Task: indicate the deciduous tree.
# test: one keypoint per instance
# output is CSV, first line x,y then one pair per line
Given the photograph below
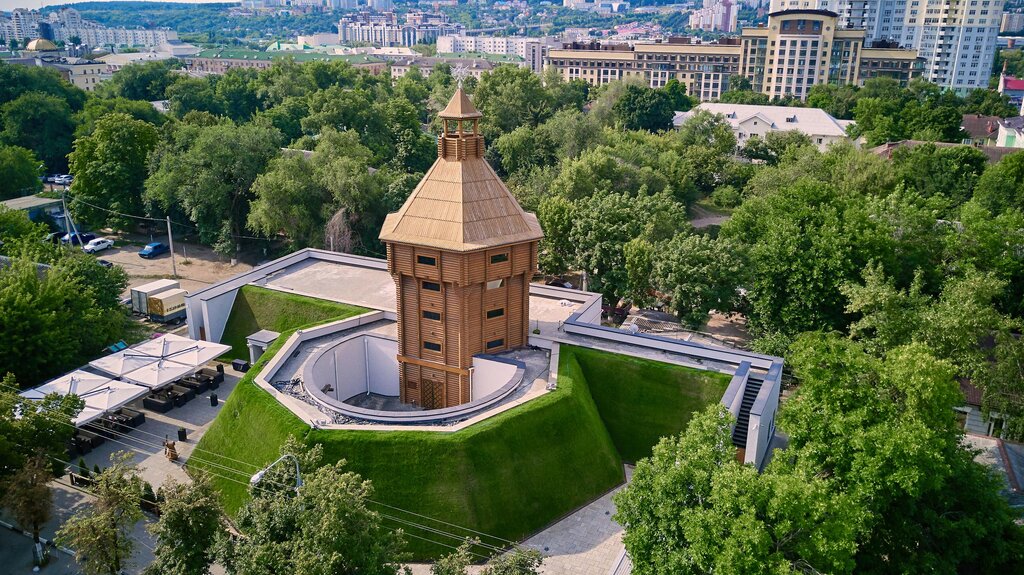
x,y
19,172
188,528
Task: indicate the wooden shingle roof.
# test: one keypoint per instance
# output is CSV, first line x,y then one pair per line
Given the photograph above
x,y
460,107
462,206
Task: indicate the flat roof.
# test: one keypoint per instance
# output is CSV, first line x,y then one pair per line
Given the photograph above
x,y
336,281
29,202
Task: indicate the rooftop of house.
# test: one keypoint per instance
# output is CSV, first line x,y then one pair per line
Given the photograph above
x,y
980,127
504,58
30,202
807,120
1012,84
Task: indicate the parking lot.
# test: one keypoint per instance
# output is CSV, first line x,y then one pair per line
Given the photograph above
x,y
198,266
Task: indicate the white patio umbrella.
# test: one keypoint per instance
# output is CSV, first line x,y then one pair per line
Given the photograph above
x,y
78,382
113,395
122,362
195,353
159,373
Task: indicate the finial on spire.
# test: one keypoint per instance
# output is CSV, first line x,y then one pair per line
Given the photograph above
x,y
460,72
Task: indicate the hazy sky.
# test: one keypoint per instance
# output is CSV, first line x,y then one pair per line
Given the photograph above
x,y
8,5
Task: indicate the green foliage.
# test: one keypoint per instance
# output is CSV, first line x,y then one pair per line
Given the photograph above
x,y
699,275
519,561
209,181
257,308
28,497
19,172
509,97
17,80
892,443
642,108
96,108
101,533
773,145
146,81
188,528
520,479
726,197
1001,187
948,174
41,123
657,402
31,428
110,169
37,307
692,508
456,562
324,526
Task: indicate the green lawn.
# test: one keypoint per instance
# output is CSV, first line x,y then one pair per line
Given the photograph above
x,y
508,476
641,401
257,308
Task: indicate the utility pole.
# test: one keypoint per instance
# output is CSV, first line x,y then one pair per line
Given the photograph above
x,y
170,242
67,218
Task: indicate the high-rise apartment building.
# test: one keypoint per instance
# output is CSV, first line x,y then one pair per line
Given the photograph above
x,y
715,16
383,29
956,38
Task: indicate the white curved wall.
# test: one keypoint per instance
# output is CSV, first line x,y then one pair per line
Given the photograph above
x,y
490,376
357,365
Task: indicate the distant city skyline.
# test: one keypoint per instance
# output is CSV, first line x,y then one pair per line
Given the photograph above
x,y
8,5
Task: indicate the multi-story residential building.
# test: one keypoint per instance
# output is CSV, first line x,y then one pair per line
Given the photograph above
x,y
704,68
1012,22
715,16
65,24
795,51
956,38
531,50
599,6
384,30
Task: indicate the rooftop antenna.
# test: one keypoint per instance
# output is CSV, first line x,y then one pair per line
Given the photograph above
x,y
460,73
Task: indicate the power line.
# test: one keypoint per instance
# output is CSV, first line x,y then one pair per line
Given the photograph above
x,y
228,469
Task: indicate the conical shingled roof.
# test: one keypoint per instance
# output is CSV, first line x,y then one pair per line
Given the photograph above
x,y
461,204
459,107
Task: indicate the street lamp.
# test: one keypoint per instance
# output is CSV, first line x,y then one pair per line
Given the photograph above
x,y
259,474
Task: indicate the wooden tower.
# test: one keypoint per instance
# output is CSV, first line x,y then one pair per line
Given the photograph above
x,y
462,253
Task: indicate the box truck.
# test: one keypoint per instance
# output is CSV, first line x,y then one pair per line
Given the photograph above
x,y
167,306
141,294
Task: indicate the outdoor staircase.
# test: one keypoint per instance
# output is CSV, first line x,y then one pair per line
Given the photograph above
x,y
739,433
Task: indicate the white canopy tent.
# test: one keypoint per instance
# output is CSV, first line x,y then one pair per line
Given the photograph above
x,y
122,362
195,353
159,373
78,382
100,394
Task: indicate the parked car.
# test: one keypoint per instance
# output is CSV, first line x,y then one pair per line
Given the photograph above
x,y
98,245
154,249
559,282
64,180
77,239
53,237
105,263
51,178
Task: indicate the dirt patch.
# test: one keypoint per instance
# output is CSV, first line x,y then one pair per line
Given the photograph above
x,y
197,266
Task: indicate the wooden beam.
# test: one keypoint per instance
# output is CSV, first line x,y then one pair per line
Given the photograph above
x,y
424,363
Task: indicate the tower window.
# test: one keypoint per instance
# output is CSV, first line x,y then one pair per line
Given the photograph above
x,y
495,343
431,315
432,286
493,313
426,260
495,284
499,258
432,346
